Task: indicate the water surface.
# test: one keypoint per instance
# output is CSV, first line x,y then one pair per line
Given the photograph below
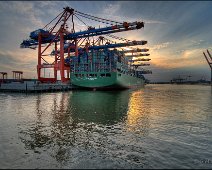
x,y
158,126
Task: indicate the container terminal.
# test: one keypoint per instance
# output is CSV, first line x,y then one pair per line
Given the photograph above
x,y
84,58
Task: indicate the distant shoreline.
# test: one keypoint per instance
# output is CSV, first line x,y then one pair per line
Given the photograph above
x,y
184,83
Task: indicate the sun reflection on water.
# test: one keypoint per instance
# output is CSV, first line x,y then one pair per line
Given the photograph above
x,y
138,114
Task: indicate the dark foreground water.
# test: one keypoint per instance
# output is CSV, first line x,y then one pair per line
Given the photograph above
x,y
159,126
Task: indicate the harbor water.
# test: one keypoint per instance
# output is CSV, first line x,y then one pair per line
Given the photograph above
x,y
157,126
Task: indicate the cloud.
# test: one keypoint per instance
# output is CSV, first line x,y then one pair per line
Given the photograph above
x,y
25,9
187,58
23,59
111,9
160,46
146,21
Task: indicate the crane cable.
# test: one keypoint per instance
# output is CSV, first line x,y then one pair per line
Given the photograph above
x,y
110,40
72,19
120,38
98,17
116,37
52,20
94,19
80,20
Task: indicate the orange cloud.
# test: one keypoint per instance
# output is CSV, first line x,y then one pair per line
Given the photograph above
x,y
160,46
186,58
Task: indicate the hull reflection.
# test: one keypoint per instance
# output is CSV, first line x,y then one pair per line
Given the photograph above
x,y
68,123
105,108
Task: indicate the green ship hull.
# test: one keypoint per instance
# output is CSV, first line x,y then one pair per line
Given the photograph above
x,y
105,69
110,80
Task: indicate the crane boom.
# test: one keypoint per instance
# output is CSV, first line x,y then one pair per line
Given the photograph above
x,y
142,59
48,37
136,55
107,30
136,50
132,43
140,64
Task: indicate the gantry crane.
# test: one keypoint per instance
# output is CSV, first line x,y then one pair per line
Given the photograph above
x,y
65,41
209,61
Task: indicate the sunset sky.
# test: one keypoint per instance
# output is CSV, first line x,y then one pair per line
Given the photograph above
x,y
177,32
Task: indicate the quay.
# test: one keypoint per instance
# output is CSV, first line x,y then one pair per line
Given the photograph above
x,y
35,87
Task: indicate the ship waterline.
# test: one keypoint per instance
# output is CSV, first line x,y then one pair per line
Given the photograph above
x,y
109,80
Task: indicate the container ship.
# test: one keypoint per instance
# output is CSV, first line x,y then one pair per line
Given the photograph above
x,y
107,69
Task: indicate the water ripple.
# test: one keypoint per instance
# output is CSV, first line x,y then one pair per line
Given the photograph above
x,y
159,126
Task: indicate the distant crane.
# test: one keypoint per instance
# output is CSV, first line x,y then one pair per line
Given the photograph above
x,y
4,76
189,76
177,80
209,61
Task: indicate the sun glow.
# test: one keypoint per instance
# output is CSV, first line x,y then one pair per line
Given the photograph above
x,y
137,112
